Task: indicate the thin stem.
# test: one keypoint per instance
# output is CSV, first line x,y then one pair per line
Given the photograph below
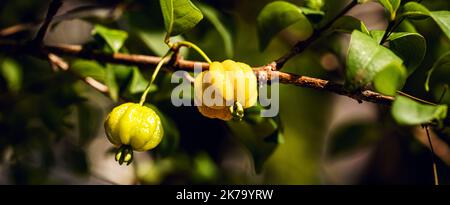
x,y
387,33
52,10
435,173
195,47
158,67
303,45
415,98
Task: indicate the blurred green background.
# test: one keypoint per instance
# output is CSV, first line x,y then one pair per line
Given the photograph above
x,y
51,123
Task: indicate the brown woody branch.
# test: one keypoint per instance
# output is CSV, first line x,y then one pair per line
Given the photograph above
x,y
52,10
148,61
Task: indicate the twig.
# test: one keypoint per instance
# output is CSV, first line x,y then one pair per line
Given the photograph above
x,y
146,61
52,10
16,29
435,173
57,61
415,98
303,45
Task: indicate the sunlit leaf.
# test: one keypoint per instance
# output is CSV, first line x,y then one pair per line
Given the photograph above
x,y
410,112
179,16
366,59
113,37
11,71
415,10
391,6
442,18
88,68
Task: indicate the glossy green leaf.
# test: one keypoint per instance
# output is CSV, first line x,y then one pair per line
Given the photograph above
x,y
113,37
415,10
213,16
277,16
11,71
88,68
179,16
390,79
442,18
391,6
136,84
411,47
347,24
442,62
111,82
409,112
366,59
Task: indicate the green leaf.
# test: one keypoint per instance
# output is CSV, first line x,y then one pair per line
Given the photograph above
x,y
110,81
154,40
114,38
214,17
442,62
442,18
137,84
391,6
366,59
411,47
12,73
89,68
409,112
179,16
347,24
407,26
277,16
390,79
259,135
315,4
415,10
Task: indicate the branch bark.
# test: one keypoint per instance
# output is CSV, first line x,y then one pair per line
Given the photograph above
x,y
52,10
180,64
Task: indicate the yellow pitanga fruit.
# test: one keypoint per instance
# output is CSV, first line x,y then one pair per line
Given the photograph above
x,y
227,86
133,127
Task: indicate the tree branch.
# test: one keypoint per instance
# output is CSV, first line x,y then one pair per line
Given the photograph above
x,y
147,61
52,10
303,45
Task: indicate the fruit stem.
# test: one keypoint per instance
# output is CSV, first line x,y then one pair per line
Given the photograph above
x,y
158,67
195,47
